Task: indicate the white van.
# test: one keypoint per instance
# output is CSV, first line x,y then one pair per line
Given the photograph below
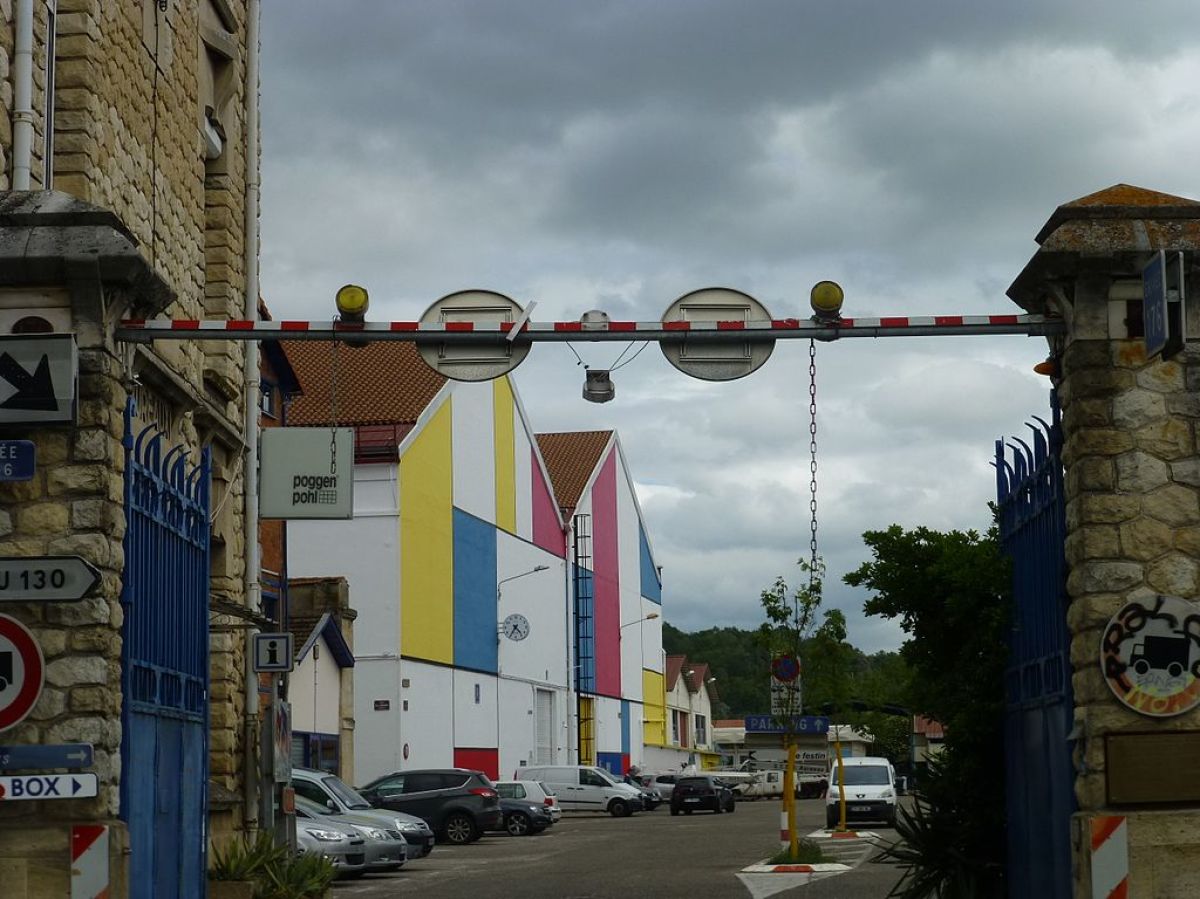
x,y
583,788
870,791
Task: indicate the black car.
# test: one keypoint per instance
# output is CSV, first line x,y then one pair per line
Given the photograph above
x,y
523,818
701,792
458,803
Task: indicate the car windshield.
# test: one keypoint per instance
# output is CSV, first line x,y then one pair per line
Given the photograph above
x,y
348,796
309,808
863,775
604,774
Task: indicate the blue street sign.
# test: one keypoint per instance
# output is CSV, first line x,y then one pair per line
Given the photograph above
x,y
17,460
1154,304
801,724
65,755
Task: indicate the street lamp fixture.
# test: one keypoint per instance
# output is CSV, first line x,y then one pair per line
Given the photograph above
x,y
503,581
649,617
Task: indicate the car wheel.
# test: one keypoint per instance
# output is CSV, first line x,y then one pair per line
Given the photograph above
x,y
461,828
618,808
517,824
831,819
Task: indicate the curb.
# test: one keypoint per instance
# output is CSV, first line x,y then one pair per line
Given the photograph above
x,y
844,835
818,868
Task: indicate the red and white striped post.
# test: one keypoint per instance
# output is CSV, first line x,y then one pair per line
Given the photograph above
x,y
1110,857
89,861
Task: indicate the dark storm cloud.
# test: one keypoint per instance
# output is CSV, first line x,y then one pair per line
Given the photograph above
x,y
616,155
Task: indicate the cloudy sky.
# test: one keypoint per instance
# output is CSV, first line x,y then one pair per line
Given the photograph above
x,y
617,155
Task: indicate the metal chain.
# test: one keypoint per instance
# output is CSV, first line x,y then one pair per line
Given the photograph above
x,y
812,464
333,413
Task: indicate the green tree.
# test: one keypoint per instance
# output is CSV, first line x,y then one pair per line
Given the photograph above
x,y
951,594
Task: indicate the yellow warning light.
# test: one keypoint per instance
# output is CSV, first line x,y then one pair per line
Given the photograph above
x,y
352,302
826,299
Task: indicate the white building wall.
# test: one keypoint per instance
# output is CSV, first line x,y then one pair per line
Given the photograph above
x,y
365,550
474,712
428,725
650,638
474,468
314,690
630,562
608,724
539,597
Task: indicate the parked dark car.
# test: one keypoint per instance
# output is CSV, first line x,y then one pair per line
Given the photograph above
x,y
650,799
701,792
458,803
523,818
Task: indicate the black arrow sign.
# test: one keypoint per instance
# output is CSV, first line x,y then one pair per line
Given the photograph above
x,y
35,392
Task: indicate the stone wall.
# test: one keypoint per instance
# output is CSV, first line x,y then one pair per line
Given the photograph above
x,y
127,138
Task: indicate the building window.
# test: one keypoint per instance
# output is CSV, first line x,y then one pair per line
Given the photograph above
x,y
679,727
218,50
701,731
268,399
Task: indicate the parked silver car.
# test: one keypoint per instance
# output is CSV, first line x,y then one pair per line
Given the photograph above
x,y
342,845
385,849
662,784
340,800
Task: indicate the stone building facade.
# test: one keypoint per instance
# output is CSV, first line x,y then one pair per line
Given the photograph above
x,y
1132,480
135,207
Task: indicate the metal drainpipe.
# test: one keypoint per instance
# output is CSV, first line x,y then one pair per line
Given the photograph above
x,y
251,770
22,146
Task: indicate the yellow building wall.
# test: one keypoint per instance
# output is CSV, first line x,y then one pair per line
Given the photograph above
x,y
654,708
427,543
587,730
505,441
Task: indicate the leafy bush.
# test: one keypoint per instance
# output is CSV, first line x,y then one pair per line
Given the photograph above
x,y
244,860
943,846
807,853
296,877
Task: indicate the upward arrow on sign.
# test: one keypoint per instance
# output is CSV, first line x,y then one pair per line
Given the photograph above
x,y
35,392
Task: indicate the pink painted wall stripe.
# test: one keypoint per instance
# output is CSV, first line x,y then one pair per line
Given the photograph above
x,y
546,531
607,580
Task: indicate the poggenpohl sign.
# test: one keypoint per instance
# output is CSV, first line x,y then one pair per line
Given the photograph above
x,y
307,473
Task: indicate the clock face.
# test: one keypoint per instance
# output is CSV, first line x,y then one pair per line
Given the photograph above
x,y
516,627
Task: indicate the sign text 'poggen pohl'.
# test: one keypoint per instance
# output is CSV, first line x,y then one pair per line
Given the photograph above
x,y
307,473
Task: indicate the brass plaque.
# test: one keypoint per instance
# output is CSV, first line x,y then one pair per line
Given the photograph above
x,y
1162,767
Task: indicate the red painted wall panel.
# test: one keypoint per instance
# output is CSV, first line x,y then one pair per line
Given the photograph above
x,y
485,760
547,533
607,582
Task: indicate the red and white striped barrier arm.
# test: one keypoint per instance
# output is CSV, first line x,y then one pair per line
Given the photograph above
x,y
1110,857
469,331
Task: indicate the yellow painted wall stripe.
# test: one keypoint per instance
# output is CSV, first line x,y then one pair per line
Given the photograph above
x,y
427,543
654,708
587,731
504,412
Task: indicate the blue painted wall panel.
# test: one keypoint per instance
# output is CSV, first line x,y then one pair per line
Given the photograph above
x,y
651,586
475,623
610,761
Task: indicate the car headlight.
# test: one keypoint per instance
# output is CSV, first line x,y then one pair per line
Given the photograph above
x,y
325,836
372,834
408,827
887,794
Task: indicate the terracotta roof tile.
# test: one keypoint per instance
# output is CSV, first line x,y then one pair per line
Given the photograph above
x,y
571,458
674,666
384,382
930,728
730,722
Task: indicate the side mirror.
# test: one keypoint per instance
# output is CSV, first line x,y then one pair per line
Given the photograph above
x,y
331,805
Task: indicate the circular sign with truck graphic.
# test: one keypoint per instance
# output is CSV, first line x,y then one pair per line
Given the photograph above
x,y
1150,656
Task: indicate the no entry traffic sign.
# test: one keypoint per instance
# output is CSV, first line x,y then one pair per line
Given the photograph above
x,y
22,672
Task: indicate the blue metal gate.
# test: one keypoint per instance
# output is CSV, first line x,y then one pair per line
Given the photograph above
x,y
164,752
1039,774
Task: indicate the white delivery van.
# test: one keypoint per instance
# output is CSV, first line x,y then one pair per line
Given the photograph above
x,y
870,791
583,788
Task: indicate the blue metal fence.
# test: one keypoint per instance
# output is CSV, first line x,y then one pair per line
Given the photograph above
x,y
1039,774
164,753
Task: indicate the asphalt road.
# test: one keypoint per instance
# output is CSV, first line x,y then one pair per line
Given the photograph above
x,y
648,855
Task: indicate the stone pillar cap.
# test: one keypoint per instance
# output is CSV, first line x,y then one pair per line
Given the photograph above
x,y
1112,232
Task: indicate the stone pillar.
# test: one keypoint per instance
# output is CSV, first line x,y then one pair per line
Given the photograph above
x,y
1132,479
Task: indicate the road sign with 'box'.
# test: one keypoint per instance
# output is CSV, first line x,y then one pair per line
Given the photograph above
x,y
16,787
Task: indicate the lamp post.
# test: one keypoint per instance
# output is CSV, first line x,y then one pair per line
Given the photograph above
x,y
648,617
